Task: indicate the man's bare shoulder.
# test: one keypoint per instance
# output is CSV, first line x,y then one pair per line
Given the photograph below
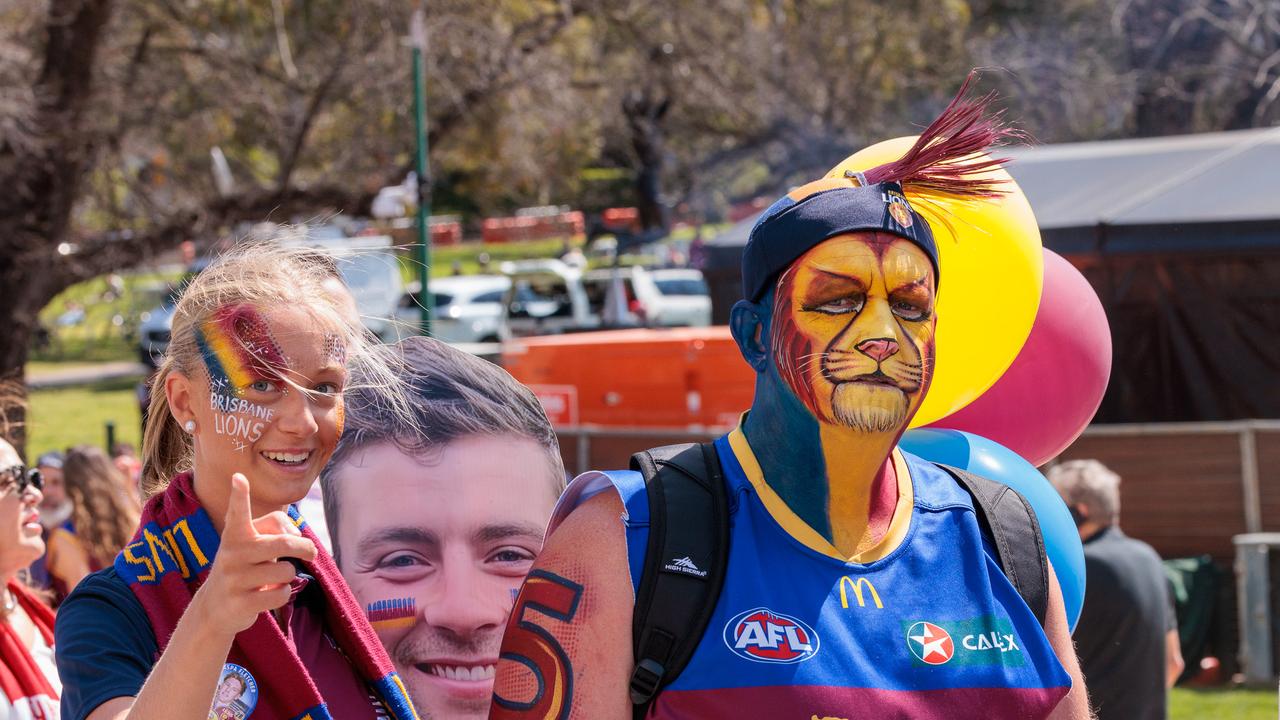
x,y
599,515
568,642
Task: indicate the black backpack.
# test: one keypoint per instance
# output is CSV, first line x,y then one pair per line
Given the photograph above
x,y
687,555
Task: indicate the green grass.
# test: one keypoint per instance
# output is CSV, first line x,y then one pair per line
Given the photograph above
x,y
73,351
443,258
1234,703
108,330
58,418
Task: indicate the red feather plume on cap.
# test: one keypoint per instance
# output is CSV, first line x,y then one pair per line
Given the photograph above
x,y
942,158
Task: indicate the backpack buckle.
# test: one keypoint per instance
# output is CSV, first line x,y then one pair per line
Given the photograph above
x,y
645,680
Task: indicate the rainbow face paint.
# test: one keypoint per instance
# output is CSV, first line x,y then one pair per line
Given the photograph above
x,y
392,614
238,350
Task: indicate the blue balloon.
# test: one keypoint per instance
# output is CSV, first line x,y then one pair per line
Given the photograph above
x,y
996,462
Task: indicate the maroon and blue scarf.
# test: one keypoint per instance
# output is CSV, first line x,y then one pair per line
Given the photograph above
x,y
21,680
169,559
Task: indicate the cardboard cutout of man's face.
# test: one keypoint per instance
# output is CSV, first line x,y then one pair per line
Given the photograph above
x,y
436,548
853,330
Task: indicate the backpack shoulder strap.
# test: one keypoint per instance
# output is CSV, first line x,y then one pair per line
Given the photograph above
x,y
1010,521
684,564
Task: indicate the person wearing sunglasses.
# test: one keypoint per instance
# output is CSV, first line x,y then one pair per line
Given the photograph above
x,y
29,685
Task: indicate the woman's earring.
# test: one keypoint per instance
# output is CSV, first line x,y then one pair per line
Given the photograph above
x,y
190,427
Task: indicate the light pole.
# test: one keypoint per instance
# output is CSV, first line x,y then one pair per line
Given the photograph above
x,y
418,38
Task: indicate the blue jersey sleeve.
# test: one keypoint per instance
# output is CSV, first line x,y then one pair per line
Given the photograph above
x,y
104,644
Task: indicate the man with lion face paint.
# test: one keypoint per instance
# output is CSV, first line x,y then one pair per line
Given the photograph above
x,y
858,580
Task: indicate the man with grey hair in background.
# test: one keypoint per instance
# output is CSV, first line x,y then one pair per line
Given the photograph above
x,y
1127,636
436,518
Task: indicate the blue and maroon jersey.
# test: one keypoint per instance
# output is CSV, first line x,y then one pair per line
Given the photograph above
x,y
924,625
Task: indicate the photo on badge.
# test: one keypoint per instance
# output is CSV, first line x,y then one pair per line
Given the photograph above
x,y
236,696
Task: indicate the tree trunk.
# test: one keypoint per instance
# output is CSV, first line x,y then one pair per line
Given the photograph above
x,y
27,290
649,182
645,115
41,183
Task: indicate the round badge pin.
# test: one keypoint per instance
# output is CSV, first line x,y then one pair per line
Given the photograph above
x,y
236,696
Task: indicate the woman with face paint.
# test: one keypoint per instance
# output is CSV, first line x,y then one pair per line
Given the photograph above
x,y
224,585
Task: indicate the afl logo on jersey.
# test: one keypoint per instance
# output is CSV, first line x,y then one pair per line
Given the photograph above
x,y
930,644
766,636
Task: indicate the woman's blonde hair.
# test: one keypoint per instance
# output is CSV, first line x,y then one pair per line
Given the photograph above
x,y
264,276
104,509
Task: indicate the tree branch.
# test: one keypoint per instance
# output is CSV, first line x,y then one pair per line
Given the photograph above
x,y
122,249
290,159
542,29
288,202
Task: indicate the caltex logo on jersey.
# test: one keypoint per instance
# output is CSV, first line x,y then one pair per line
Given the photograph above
x,y
766,636
930,643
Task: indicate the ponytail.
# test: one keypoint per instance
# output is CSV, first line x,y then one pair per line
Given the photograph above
x,y
166,450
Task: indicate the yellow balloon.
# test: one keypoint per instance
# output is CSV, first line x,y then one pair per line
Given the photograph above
x,y
992,270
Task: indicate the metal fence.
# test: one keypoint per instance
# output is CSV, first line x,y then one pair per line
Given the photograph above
x,y
1187,488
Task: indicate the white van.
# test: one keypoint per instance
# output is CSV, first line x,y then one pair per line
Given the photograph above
x,y
676,297
549,297
546,297
371,271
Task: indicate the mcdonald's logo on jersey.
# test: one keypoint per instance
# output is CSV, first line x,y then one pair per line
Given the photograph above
x,y
862,589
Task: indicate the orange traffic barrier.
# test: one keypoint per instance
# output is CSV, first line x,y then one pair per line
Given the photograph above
x,y
675,377
524,228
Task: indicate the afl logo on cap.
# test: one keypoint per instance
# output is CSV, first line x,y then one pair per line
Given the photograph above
x,y
766,636
899,208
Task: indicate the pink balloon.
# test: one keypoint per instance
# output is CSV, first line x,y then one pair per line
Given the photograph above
x,y
1053,388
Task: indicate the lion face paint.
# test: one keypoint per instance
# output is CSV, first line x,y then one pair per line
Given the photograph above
x,y
853,330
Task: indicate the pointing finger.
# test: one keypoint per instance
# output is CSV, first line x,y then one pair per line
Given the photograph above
x,y
239,520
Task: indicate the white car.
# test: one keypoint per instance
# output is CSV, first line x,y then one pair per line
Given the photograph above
x,y
683,298
546,297
650,298
468,308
